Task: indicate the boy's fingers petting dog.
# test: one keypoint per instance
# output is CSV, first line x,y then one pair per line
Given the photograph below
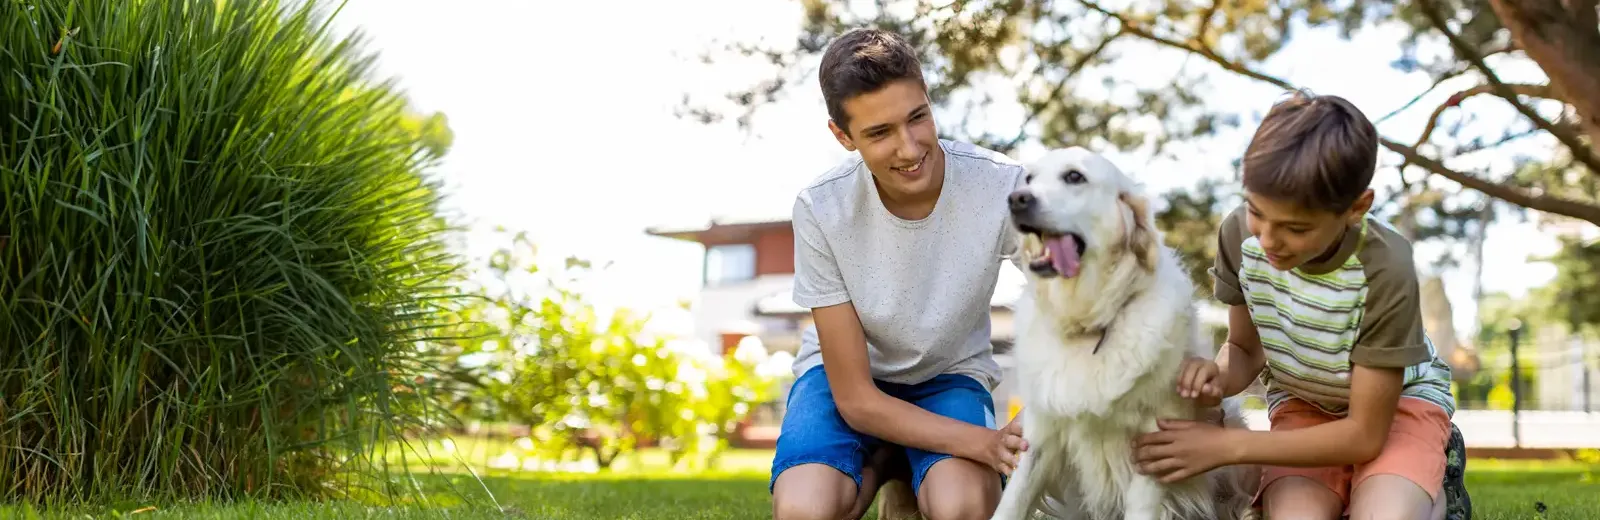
x,y
1152,453
1015,426
1182,472
1176,424
1197,376
1015,443
1175,476
1185,374
1160,467
1187,377
1004,449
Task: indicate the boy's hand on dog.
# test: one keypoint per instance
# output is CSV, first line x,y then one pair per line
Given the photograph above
x,y
1200,379
1005,447
1183,449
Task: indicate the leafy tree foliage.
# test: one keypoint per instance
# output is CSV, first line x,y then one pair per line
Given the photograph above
x,y
1057,58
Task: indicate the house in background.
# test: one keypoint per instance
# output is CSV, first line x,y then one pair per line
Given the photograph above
x,y
745,262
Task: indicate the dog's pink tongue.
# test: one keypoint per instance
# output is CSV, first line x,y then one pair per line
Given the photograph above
x,y
1064,255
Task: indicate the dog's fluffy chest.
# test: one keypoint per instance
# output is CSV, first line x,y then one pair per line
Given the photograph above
x,y
1066,376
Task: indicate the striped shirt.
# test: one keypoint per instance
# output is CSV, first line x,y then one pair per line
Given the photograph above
x,y
1318,320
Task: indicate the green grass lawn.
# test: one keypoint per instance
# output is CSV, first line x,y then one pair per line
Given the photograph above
x,y
641,490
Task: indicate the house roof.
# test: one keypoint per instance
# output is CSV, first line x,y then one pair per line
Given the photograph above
x,y
720,230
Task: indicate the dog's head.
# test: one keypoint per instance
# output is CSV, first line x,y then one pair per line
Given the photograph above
x,y
1078,208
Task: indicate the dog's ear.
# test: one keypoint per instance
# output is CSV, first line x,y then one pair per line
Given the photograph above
x,y
1141,238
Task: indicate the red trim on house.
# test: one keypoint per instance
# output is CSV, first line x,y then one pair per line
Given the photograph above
x,y
719,234
775,251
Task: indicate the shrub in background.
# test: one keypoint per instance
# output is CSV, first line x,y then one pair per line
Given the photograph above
x,y
223,252
596,384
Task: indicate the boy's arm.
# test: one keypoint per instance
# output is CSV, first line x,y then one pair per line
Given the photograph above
x,y
868,410
819,285
1241,359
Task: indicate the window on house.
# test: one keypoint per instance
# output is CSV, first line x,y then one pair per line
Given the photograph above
x,y
730,263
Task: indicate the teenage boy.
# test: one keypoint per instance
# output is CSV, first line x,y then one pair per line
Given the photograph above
x,y
897,252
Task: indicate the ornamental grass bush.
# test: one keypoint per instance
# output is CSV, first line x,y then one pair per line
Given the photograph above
x,y
221,253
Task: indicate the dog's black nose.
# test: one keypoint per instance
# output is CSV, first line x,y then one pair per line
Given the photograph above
x,y
1021,200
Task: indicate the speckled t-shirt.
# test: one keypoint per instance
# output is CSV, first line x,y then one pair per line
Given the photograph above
x,y
921,288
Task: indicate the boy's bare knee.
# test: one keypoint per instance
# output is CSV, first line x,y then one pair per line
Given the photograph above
x,y
959,489
1300,498
958,505
813,492
1389,497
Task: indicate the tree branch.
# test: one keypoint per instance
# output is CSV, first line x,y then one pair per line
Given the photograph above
x,y
1508,137
1455,73
1570,139
1512,194
1531,199
1135,28
1561,37
1061,86
1205,20
1540,91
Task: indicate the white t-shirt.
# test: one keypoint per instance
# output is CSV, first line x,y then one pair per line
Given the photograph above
x,y
921,288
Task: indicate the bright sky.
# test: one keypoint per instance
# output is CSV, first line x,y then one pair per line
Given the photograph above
x,y
564,126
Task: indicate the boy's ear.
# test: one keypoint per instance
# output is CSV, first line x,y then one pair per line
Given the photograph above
x,y
1358,210
840,135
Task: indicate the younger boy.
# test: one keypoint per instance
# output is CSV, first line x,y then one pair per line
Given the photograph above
x,y
1324,307
897,253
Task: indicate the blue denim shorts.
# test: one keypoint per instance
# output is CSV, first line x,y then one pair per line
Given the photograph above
x,y
813,432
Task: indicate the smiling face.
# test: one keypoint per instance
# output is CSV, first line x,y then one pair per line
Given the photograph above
x,y
1292,235
1077,205
893,129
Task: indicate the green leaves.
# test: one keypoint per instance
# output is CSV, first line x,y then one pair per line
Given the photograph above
x,y
594,384
223,252
1572,294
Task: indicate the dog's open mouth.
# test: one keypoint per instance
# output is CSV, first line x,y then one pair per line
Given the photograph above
x,y
1061,255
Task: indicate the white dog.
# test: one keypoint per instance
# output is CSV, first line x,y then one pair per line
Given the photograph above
x,y
1105,323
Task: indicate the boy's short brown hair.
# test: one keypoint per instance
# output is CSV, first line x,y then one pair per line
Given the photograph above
x,y
862,61
1318,152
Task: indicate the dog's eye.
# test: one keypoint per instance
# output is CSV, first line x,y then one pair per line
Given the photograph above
x,y
1073,177
1027,178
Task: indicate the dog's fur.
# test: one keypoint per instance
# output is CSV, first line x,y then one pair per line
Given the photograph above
x,y
1081,408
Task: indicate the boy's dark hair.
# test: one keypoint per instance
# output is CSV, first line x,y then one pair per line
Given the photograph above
x,y
862,61
1315,151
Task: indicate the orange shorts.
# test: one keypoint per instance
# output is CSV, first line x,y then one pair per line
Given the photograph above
x,y
1414,451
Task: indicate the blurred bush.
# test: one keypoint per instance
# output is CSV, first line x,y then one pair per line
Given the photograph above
x,y
595,384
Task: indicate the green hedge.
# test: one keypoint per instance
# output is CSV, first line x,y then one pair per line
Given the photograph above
x,y
222,252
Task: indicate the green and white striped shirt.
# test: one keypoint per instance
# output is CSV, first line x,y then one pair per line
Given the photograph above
x,y
1318,320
